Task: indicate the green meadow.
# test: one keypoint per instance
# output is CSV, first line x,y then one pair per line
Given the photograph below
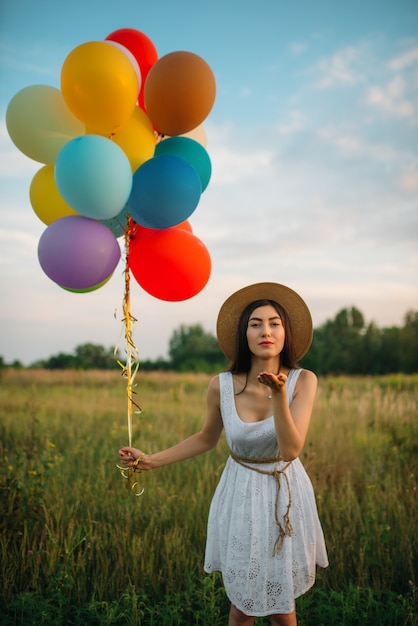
x,y
78,547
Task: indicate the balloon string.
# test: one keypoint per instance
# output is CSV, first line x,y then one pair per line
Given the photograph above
x,y
131,365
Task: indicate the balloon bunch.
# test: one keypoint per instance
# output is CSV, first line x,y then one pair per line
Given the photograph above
x,y
123,153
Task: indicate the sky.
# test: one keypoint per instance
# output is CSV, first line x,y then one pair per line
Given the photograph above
x,y
313,140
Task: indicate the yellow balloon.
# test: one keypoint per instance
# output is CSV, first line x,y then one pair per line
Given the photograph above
x,y
100,86
45,198
137,139
40,123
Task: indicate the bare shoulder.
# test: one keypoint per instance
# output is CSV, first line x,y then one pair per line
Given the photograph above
x,y
213,390
307,380
307,375
214,384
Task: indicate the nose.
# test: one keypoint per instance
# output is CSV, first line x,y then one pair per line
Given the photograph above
x,y
266,330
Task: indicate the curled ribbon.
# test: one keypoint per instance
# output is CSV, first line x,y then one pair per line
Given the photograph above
x,y
129,474
131,366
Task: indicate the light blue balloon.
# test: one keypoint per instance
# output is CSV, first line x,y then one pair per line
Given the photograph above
x,y
94,176
166,190
190,150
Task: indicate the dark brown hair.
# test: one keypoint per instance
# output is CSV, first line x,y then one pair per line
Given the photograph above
x,y
242,359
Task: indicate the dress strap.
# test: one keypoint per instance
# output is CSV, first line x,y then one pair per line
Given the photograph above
x,y
292,379
285,528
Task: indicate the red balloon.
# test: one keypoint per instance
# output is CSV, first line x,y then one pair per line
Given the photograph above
x,y
172,264
143,50
140,232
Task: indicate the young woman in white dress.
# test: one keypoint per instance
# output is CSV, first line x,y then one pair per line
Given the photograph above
x,y
264,534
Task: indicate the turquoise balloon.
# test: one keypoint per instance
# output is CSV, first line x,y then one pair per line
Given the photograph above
x,y
94,176
191,151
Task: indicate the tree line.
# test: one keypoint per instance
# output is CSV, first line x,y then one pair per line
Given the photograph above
x,y
343,345
346,345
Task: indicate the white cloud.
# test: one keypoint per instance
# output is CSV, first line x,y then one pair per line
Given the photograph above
x,y
409,180
404,60
233,160
294,124
15,246
342,68
297,48
231,166
355,145
391,98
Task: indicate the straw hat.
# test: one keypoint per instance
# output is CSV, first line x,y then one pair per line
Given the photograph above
x,y
295,307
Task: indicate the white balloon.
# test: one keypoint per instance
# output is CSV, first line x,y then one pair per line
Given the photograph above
x,y
132,60
198,134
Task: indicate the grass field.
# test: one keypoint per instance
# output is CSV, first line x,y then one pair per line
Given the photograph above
x,y
77,547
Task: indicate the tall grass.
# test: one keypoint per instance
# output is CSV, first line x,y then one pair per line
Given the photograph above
x,y
77,547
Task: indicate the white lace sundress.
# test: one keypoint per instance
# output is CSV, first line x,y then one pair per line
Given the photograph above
x,y
242,529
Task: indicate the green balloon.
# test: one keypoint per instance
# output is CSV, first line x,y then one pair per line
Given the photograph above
x,y
88,289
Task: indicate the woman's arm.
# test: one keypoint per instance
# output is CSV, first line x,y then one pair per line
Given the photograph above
x,y
291,423
200,442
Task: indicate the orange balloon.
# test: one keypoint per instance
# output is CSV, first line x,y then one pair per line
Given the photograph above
x,y
45,198
172,264
100,86
179,92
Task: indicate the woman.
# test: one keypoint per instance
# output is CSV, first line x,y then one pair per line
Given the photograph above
x,y
264,534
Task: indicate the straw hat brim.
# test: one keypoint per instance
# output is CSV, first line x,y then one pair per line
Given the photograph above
x,y
295,307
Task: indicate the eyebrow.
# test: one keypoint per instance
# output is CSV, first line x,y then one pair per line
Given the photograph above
x,y
260,319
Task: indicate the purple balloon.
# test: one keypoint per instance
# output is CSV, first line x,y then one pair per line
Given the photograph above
x,y
77,252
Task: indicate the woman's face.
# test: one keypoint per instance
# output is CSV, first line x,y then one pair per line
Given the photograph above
x,y
265,332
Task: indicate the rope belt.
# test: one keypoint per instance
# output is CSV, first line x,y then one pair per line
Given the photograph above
x,y
285,528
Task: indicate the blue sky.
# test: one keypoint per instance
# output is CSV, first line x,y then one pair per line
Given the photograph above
x,y
313,140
